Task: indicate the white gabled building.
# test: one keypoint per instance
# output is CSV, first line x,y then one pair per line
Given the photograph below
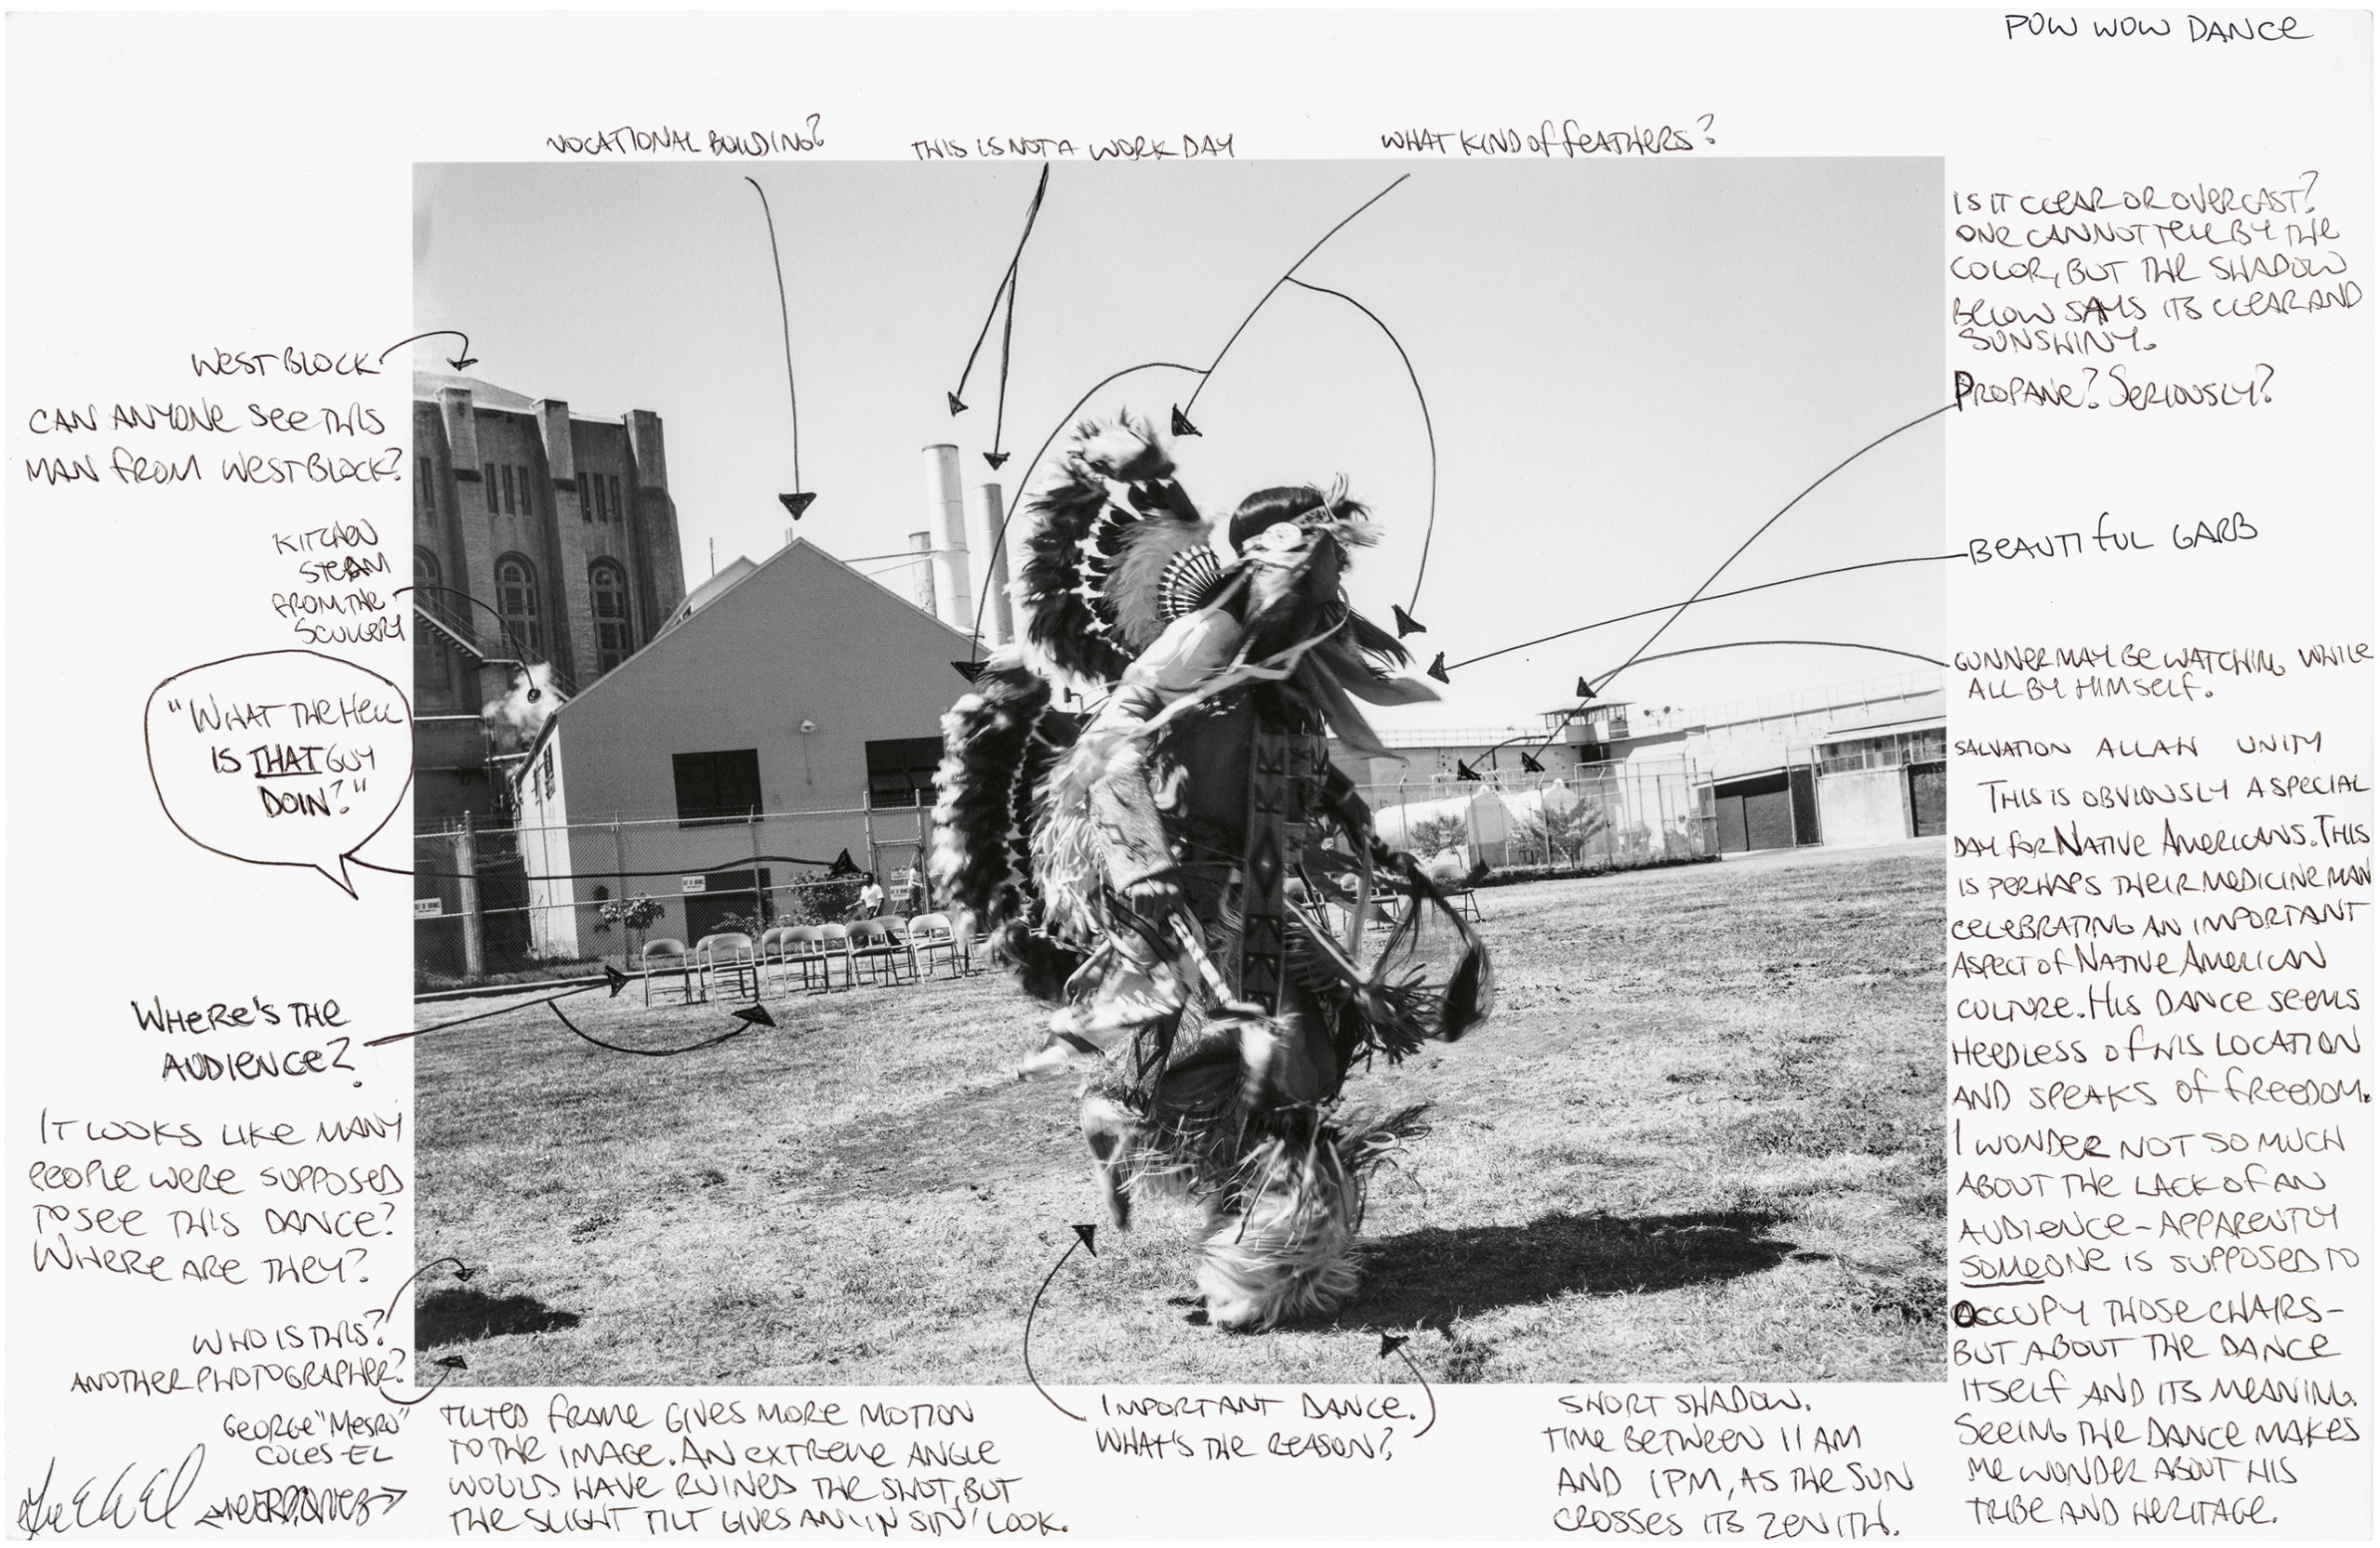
x,y
788,714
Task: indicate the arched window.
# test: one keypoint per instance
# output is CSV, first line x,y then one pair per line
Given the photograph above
x,y
516,598
431,667
608,584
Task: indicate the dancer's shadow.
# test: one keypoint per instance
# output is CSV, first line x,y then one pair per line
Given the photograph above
x,y
455,1314
1429,1278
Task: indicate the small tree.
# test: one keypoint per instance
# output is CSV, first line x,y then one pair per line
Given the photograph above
x,y
1426,836
1564,834
634,913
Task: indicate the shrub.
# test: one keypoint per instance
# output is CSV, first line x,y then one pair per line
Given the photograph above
x,y
1429,835
820,900
1564,837
635,913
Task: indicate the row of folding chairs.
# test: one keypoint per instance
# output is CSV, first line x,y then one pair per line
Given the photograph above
x,y
732,964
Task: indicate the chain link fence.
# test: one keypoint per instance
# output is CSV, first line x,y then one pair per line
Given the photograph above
x,y
494,904
491,903
1597,818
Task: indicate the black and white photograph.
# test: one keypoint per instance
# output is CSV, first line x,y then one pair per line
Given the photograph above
x,y
1031,769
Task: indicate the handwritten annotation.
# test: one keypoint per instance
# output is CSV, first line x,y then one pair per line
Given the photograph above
x,y
2157,1104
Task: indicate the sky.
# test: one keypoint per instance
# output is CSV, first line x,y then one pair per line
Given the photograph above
x,y
1628,366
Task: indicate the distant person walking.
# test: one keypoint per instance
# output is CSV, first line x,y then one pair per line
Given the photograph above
x,y
871,898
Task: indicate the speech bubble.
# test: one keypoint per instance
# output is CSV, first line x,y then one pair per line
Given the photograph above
x,y
281,758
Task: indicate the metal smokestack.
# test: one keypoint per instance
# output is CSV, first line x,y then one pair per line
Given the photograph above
x,y
1000,622
922,571
947,517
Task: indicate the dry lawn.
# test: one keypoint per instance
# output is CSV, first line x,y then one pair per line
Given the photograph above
x,y
1700,1140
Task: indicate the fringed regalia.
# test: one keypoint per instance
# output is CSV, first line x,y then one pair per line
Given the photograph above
x,y
1166,866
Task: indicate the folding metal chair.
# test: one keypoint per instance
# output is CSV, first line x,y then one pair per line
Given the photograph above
x,y
930,934
835,940
731,953
666,956
882,948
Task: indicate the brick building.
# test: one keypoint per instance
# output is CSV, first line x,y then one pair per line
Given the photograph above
x,y
540,537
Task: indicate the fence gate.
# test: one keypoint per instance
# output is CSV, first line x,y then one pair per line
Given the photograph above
x,y
1929,800
896,851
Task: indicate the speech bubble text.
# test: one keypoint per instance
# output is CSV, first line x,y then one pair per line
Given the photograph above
x,y
281,758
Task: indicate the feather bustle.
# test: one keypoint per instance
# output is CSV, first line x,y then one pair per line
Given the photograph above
x,y
1113,483
985,740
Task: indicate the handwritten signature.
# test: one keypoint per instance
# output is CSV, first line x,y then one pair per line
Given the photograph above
x,y
90,1506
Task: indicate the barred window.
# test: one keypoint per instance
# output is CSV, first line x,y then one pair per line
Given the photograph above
x,y
516,601
1892,750
615,635
432,665
900,773
716,786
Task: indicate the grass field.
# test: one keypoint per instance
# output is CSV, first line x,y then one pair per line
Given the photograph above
x,y
1700,1140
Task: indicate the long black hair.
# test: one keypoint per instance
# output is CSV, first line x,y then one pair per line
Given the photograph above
x,y
1270,507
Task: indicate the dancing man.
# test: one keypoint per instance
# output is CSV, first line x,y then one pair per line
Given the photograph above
x,y
1166,870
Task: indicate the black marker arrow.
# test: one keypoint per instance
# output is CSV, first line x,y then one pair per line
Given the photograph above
x,y
1006,290
450,1365
484,1015
1181,425
751,1017
1958,402
1429,431
1008,330
1437,669
1394,1344
458,362
1406,623
1705,597
1083,1235
799,501
462,1271
1531,765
